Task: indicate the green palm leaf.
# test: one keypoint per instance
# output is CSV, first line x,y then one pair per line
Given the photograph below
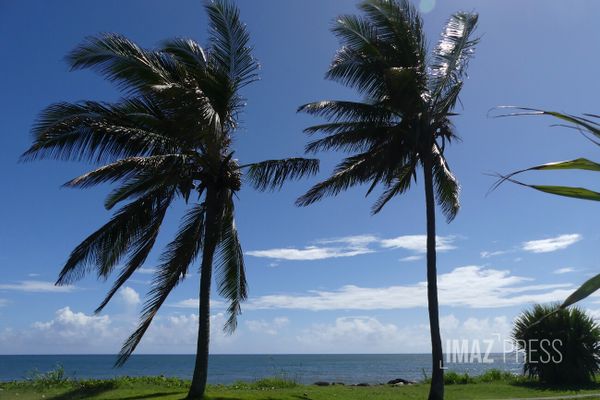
x,y
176,259
272,174
231,276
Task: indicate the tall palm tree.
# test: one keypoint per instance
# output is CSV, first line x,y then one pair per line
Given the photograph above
x,y
402,123
169,139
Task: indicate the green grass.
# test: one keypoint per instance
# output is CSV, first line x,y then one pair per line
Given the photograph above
x,y
492,385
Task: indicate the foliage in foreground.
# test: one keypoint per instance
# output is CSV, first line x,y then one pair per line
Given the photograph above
x,y
589,127
500,385
562,346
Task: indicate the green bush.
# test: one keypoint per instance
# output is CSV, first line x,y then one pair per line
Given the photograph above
x,y
53,377
561,346
454,378
496,375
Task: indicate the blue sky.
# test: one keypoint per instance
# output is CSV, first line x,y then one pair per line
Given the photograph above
x,y
327,278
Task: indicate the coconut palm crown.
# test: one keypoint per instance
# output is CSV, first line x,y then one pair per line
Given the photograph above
x,y
169,139
403,121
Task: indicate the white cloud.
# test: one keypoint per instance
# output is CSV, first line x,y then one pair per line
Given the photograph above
x,y
367,334
351,246
37,287
308,253
564,270
348,246
470,286
268,327
71,332
411,258
193,303
360,334
551,244
130,297
418,243
32,275
489,254
3,302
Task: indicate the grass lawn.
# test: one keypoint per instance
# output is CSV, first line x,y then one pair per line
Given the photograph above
x,y
268,389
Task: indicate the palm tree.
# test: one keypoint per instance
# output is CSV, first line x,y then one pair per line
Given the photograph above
x,y
169,139
402,123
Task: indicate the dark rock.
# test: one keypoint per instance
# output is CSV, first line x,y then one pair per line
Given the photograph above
x,y
321,383
400,381
339,383
362,384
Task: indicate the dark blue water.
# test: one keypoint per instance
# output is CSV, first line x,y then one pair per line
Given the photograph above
x,y
347,368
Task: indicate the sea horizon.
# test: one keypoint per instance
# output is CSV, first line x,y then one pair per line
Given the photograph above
x,y
230,368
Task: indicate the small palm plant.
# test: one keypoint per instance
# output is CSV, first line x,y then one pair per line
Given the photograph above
x,y
169,139
561,346
403,123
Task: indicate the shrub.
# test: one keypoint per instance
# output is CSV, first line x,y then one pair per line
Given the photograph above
x,y
454,378
561,346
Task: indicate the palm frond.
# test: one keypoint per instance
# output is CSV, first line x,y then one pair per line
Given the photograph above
x,y
452,54
138,251
398,186
103,249
176,259
124,169
446,186
95,131
188,52
351,171
400,27
122,61
346,111
272,174
231,275
230,43
349,137
351,68
585,124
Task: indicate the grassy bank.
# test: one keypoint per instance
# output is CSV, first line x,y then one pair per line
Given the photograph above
x,y
274,389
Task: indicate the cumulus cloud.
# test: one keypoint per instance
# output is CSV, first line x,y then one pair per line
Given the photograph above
x,y
271,327
470,286
129,296
351,246
360,334
551,244
68,331
36,287
72,332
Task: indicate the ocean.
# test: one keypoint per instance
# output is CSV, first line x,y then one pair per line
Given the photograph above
x,y
225,369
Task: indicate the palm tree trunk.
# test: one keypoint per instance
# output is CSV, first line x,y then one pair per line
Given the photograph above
x,y
436,391
211,236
